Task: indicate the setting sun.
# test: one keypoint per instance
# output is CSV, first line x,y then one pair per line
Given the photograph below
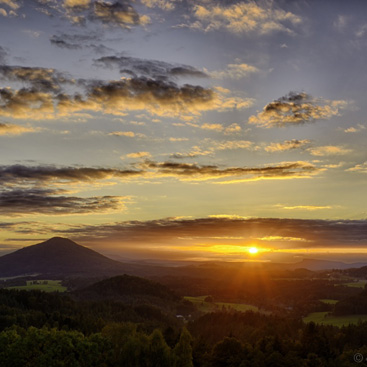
x,y
253,250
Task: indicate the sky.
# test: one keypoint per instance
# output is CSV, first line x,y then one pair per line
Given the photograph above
x,y
185,130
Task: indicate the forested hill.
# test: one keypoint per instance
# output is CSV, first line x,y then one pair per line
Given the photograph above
x,y
130,290
60,257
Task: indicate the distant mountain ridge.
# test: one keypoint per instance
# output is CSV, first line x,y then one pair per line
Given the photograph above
x,y
315,264
60,256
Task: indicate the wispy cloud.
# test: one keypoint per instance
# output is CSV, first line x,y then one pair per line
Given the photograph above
x,y
355,129
287,145
156,69
243,17
328,150
305,207
233,71
362,167
12,129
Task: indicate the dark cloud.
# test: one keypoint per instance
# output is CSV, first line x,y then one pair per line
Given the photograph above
x,y
26,103
44,175
296,108
314,233
119,13
20,174
151,68
40,79
59,41
49,202
207,172
116,13
44,99
80,41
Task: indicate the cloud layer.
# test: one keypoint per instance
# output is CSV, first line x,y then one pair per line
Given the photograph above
x,y
37,201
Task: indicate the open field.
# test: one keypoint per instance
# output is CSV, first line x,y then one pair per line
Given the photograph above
x,y
358,284
329,301
42,285
203,306
323,318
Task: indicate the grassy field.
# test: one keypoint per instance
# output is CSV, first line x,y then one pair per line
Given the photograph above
x,y
42,285
217,306
359,284
323,318
329,301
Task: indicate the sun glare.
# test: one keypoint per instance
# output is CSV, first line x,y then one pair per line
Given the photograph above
x,y
253,250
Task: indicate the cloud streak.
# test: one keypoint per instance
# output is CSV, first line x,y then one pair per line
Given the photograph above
x,y
37,201
11,129
156,69
39,175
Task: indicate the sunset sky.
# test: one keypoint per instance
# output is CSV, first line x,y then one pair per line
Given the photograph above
x,y
187,130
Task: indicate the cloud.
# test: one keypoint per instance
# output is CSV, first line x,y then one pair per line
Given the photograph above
x,y
3,12
287,145
26,103
234,71
59,41
162,4
40,79
79,41
150,68
284,233
129,134
216,127
305,207
139,155
43,175
210,147
13,4
195,172
158,97
355,129
243,17
119,13
295,109
177,139
282,239
358,168
26,176
11,129
77,3
328,150
51,202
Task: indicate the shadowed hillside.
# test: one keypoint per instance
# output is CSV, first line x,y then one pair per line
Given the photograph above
x,y
60,257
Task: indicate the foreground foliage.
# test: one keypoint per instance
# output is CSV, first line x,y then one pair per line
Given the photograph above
x,y
41,329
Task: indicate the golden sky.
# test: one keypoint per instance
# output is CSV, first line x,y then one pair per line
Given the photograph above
x,y
185,129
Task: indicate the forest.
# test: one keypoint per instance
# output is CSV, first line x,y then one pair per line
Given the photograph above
x,y
145,324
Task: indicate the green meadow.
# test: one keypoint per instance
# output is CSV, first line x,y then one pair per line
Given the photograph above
x,y
325,319
204,306
42,285
359,284
329,301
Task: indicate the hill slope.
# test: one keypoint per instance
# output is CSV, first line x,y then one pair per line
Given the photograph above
x,y
59,256
131,290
